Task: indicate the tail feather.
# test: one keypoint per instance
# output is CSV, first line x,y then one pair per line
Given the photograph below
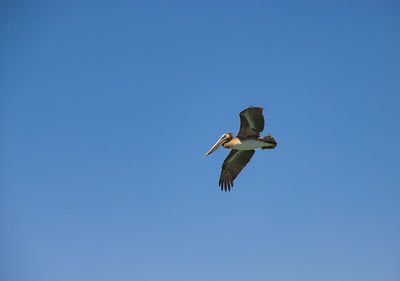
x,y
271,143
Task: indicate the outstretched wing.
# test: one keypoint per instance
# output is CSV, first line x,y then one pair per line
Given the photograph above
x,y
232,166
251,122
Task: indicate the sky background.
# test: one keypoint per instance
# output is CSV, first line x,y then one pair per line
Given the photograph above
x,y
108,107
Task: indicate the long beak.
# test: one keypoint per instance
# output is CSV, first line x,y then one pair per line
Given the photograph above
x,y
220,142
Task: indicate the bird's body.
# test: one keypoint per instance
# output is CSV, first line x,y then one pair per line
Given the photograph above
x,y
246,143
243,145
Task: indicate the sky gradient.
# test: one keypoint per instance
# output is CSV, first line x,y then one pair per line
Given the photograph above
x,y
108,107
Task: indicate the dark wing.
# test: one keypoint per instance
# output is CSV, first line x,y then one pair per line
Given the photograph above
x,y
232,166
251,122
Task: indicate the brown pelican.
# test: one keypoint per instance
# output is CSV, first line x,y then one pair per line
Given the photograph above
x,y
243,145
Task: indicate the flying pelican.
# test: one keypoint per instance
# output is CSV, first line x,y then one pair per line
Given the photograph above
x,y
243,145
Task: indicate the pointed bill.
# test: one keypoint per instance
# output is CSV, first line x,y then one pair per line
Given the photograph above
x,y
220,142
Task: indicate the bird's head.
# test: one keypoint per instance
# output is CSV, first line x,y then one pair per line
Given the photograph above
x,y
223,139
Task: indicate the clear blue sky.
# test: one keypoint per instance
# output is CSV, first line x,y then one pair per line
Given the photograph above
x,y
107,110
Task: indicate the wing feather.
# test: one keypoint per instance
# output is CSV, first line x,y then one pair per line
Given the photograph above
x,y
233,164
251,122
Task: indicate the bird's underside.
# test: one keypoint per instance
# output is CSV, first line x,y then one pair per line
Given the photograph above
x,y
243,145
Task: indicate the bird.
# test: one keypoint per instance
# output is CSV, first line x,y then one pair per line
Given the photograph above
x,y
243,145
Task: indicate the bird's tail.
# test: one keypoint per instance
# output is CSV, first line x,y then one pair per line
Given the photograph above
x,y
270,142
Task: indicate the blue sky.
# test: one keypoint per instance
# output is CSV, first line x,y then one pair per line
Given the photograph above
x,y
107,110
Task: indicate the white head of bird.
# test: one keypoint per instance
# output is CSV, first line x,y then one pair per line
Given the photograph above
x,y
222,140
